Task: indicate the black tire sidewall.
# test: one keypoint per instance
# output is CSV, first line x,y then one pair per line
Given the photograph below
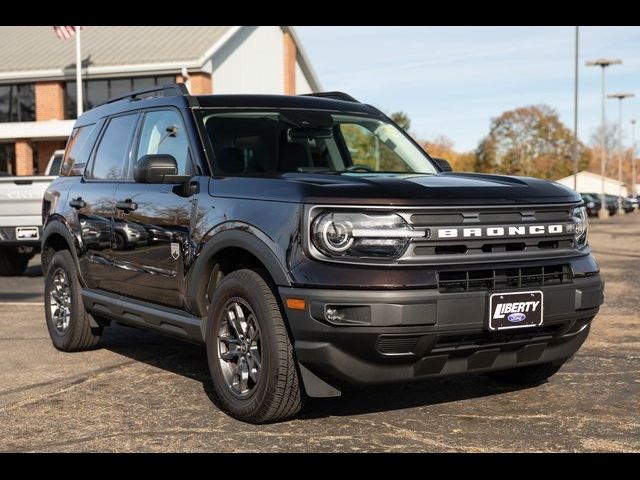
x,y
230,287
63,260
13,264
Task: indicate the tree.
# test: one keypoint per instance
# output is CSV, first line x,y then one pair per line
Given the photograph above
x,y
529,141
612,151
402,119
442,147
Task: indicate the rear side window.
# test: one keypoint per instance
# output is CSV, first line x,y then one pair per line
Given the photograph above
x,y
163,133
78,149
111,155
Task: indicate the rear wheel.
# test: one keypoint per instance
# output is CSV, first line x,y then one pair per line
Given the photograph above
x,y
249,352
13,263
531,375
67,320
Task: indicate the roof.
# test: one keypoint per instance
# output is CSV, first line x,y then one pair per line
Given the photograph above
x,y
34,52
585,173
248,101
283,101
38,48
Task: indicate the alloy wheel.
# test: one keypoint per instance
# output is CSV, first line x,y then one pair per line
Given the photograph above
x,y
239,347
60,301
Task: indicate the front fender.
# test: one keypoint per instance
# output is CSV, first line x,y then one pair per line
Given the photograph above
x,y
238,235
57,225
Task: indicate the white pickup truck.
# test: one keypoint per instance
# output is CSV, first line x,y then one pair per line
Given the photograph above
x,y
21,216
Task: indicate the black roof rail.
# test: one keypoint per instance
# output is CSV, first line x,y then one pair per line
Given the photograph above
x,y
345,97
169,90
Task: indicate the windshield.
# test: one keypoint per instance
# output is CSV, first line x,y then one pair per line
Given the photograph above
x,y
310,141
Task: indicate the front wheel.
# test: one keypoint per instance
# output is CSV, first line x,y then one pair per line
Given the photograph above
x,y
531,375
249,352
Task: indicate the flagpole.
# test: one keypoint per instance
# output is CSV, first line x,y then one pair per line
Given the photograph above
x,y
78,73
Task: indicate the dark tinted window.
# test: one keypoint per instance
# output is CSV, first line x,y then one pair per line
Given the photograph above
x,y
111,154
17,103
308,141
55,165
7,158
78,149
163,132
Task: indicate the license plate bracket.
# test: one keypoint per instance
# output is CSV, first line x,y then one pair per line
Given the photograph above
x,y
509,310
27,233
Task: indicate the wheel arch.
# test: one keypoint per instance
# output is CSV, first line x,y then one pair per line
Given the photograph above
x,y
230,243
55,237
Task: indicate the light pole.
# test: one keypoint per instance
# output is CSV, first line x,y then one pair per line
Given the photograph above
x,y
603,63
620,97
634,178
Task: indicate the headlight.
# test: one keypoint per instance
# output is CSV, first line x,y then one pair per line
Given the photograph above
x,y
591,204
581,226
362,235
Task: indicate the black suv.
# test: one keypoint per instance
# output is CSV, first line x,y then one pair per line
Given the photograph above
x,y
311,245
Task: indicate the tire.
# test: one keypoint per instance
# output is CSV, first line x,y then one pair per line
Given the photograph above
x,y
12,263
273,393
71,332
532,375
121,243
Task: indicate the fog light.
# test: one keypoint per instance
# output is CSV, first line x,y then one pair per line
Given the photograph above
x,y
333,315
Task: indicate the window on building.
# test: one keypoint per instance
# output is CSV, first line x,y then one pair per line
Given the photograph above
x,y
96,91
110,157
7,159
17,103
164,133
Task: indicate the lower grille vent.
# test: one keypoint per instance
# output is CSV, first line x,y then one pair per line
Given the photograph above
x,y
473,280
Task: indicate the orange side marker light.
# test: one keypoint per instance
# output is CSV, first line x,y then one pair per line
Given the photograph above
x,y
296,303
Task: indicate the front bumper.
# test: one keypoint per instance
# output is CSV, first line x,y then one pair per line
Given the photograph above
x,y
410,334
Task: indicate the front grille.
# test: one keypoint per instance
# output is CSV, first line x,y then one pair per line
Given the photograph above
x,y
497,278
478,244
397,344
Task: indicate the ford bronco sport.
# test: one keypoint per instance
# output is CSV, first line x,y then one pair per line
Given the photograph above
x,y
311,245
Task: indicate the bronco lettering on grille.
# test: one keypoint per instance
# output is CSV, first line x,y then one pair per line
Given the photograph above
x,y
510,231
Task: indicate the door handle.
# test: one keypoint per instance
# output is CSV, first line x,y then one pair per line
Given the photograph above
x,y
127,206
77,203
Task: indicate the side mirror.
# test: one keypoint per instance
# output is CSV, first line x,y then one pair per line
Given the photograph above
x,y
444,165
156,169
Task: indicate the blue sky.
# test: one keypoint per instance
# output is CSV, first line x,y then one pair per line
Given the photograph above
x,y
453,80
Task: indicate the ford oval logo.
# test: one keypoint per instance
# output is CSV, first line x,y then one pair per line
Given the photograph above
x,y
516,317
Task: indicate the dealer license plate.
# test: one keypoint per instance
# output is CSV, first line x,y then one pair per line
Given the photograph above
x,y
515,310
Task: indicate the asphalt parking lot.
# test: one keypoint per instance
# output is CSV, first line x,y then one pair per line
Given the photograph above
x,y
144,392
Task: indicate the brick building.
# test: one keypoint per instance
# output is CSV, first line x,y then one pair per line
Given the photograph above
x,y
38,87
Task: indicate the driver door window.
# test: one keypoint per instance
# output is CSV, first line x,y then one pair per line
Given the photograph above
x,y
163,133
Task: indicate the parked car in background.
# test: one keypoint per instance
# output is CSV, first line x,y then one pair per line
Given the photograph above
x,y
592,203
623,202
634,202
627,205
21,216
612,203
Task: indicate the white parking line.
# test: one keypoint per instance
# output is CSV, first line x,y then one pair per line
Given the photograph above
x,y
22,303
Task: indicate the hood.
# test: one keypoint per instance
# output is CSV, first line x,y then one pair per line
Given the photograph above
x,y
441,189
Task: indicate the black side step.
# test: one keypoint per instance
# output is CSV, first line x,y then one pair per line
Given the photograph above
x,y
145,315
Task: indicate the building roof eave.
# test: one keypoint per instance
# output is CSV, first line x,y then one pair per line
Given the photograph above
x,y
304,62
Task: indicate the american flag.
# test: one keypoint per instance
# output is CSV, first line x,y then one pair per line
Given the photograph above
x,y
65,32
